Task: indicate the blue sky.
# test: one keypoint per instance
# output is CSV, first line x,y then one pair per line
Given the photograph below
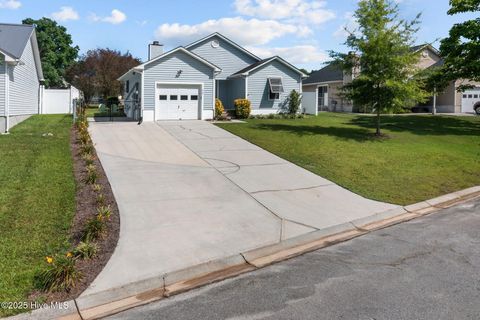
x,y
301,31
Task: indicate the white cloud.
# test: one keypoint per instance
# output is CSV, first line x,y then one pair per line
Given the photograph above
x,y
10,4
301,54
116,17
244,31
302,11
65,14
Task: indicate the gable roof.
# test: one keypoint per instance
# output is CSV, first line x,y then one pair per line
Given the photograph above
x,y
14,38
425,46
216,34
246,71
182,49
329,73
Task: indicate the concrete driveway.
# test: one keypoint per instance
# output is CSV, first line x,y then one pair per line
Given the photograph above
x,y
189,192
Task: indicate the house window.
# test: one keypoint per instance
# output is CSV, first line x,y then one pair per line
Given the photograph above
x,y
127,86
183,97
173,97
475,96
194,97
276,87
163,97
464,96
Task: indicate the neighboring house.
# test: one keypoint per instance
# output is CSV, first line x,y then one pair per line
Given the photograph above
x,y
20,74
184,82
321,90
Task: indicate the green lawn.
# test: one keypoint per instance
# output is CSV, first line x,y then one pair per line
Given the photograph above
x,y
92,111
37,200
423,157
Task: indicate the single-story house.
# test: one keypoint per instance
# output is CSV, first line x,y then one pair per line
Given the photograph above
x,y
20,74
184,82
321,90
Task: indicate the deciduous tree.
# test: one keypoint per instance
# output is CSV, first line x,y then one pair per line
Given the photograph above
x,y
56,50
381,62
461,49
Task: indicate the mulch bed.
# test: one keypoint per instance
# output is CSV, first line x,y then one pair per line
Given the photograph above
x,y
86,207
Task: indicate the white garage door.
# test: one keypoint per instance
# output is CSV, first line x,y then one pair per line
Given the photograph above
x,y
469,99
180,102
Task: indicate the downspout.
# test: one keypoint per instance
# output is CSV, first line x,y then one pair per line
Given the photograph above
x,y
7,100
140,120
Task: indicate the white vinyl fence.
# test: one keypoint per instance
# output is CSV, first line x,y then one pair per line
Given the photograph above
x,y
58,101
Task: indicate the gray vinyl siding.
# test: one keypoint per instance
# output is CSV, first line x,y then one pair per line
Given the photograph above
x,y
24,85
165,70
258,88
227,57
2,86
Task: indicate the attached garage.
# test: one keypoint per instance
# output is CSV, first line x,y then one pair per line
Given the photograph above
x,y
178,101
470,98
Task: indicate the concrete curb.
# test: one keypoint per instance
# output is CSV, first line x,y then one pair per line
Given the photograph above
x,y
115,300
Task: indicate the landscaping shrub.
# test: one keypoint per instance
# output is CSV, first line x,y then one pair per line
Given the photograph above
x,y
87,148
86,250
105,212
88,158
91,177
100,199
219,109
94,228
97,188
294,100
60,274
112,101
242,108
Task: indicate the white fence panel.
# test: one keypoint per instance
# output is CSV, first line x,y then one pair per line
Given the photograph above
x,y
58,101
309,102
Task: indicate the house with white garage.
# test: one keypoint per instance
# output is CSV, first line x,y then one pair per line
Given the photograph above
x,y
20,74
322,89
184,82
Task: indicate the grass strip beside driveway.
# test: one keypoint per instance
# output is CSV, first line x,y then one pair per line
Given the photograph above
x,y
37,200
423,157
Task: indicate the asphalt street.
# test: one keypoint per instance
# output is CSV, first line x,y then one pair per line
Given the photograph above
x,y
428,268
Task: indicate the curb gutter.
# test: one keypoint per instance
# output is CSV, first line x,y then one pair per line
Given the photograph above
x,y
116,300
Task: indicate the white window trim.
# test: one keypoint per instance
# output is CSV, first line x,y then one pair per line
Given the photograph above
x,y
269,87
316,91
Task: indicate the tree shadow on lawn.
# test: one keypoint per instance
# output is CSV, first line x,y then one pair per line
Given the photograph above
x,y
346,133
423,125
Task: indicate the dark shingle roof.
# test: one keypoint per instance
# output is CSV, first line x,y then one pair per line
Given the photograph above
x,y
14,38
330,72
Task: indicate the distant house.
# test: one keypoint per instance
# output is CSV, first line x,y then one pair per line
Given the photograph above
x,y
321,89
20,74
184,82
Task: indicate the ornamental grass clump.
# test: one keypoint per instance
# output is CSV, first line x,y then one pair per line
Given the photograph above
x,y
60,273
95,228
86,250
91,177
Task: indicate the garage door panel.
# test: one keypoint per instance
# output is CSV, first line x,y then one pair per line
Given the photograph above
x,y
469,99
178,102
